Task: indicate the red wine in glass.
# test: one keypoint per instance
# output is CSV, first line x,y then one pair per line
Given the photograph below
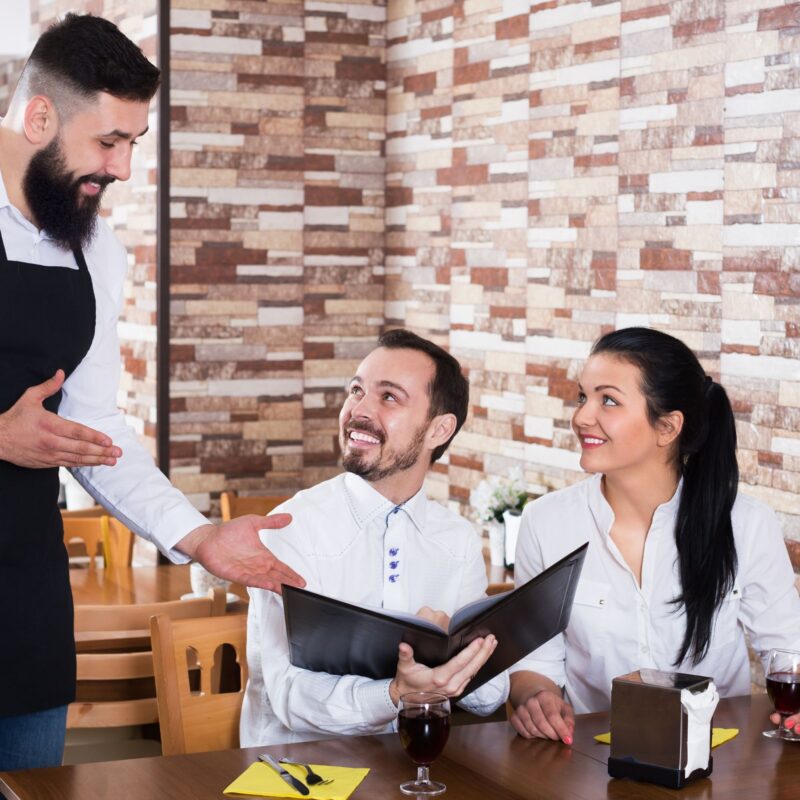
x,y
423,733
783,688
424,725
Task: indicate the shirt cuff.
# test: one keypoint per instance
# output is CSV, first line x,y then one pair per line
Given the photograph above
x,y
376,702
173,527
556,672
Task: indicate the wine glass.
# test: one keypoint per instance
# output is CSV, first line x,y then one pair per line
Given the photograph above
x,y
424,725
783,688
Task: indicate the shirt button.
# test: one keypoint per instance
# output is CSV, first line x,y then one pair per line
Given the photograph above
x,y
645,649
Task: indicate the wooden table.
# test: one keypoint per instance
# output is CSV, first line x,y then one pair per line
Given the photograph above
x,y
116,585
481,762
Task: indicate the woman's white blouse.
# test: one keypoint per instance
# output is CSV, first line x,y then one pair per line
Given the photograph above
x,y
617,626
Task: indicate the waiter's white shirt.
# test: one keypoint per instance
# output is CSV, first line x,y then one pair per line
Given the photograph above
x,y
134,490
350,542
617,626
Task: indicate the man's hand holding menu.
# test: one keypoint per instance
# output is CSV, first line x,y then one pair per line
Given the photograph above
x,y
449,679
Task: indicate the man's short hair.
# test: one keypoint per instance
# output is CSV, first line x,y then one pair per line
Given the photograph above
x,y
449,389
83,55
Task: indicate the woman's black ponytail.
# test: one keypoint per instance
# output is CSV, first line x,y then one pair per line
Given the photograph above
x,y
674,380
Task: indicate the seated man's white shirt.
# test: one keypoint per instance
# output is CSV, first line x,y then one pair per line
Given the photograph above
x,y
349,542
618,626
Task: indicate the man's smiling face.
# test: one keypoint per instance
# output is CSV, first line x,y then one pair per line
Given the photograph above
x,y
385,418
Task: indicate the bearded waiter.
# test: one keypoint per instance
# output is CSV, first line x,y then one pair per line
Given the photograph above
x,y
79,108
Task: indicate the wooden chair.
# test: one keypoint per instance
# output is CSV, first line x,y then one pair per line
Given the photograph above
x,y
119,545
94,511
232,506
115,683
92,532
100,535
198,721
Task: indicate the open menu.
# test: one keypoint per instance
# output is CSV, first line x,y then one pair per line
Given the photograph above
x,y
329,635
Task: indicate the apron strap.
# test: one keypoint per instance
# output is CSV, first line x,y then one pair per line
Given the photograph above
x,y
79,259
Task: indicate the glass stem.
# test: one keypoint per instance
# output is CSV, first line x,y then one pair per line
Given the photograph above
x,y
422,775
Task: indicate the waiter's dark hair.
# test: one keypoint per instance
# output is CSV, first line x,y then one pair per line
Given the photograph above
x,y
449,389
82,55
672,379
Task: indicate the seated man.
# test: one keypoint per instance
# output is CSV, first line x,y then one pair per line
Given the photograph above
x,y
370,536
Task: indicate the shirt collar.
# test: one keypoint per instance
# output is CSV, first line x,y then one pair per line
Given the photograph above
x,y
4,201
604,515
366,503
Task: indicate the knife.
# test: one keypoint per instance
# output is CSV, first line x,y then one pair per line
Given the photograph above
x,y
297,785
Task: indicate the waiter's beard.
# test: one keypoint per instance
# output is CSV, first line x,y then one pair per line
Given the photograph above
x,y
54,196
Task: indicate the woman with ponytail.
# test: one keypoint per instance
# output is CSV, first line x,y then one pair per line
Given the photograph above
x,y
679,564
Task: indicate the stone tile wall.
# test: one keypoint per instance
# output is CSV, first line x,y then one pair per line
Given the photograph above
x,y
278,114
560,169
510,179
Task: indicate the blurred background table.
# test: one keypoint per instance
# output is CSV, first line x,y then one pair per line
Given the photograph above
x,y
116,585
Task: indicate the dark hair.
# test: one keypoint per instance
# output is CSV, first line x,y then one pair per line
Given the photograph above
x,y
673,380
449,389
90,54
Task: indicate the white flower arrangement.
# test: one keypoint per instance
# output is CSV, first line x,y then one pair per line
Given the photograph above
x,y
497,494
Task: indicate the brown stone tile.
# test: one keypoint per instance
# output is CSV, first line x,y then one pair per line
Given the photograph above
x,y
665,258
780,18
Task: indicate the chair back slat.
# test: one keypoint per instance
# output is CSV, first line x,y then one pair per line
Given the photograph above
x,y
208,719
232,505
137,616
113,713
100,534
92,532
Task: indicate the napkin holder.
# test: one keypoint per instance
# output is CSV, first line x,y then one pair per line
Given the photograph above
x,y
661,727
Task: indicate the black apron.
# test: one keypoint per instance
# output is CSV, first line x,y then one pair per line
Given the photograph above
x,y
47,322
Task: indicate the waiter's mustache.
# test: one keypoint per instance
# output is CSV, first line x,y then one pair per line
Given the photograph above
x,y
100,180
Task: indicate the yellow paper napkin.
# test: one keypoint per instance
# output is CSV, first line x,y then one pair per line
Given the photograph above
x,y
718,736
260,780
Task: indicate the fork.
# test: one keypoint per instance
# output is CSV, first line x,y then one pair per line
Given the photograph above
x,y
312,779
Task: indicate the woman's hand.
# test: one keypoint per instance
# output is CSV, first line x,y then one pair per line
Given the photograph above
x,y
545,715
790,723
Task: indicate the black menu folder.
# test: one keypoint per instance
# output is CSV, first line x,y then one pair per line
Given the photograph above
x,y
328,635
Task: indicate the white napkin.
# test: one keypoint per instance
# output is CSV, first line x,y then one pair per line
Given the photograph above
x,y
699,709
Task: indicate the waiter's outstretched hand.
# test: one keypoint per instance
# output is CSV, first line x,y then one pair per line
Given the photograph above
x,y
234,551
31,436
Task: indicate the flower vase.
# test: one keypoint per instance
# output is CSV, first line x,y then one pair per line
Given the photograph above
x,y
496,543
511,522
